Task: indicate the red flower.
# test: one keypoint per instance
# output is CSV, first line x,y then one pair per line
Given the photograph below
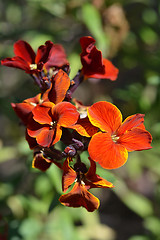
x,y
110,146
94,65
48,120
79,196
48,55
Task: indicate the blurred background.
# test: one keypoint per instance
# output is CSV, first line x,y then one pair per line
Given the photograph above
x,y
127,32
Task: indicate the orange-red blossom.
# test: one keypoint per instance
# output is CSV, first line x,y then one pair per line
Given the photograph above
x,y
83,180
47,122
111,144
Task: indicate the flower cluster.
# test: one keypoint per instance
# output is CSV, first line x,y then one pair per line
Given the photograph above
x,y
53,115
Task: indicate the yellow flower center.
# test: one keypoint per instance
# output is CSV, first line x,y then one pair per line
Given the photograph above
x,y
33,66
53,124
114,138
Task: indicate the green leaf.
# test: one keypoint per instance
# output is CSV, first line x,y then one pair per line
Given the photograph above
x,y
152,224
136,202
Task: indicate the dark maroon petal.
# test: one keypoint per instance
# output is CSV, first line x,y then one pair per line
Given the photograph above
x,y
16,62
24,50
86,41
57,57
43,52
40,162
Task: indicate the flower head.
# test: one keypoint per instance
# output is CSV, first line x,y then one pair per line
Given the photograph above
x,y
83,180
111,144
94,65
48,120
48,55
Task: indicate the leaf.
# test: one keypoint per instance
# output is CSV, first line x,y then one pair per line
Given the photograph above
x,y
136,202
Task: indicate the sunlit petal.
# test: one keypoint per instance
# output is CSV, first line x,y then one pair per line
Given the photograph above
x,y
59,87
66,113
94,180
84,127
69,176
57,134
45,137
41,113
80,197
108,154
136,139
130,122
105,116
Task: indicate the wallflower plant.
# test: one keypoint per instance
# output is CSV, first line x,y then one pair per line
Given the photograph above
x,y
53,116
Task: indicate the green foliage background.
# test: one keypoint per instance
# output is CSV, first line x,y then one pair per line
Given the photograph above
x,y
127,32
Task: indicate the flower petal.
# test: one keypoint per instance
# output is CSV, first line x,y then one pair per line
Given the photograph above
x,y
43,52
105,116
34,100
95,181
23,110
59,87
84,127
40,162
34,128
85,42
69,176
16,62
108,154
91,57
80,197
57,57
25,51
45,137
135,140
66,114
57,134
42,113
94,65
130,122
110,71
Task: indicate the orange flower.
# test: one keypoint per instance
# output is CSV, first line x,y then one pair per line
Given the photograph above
x,y
48,120
56,94
84,180
110,146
